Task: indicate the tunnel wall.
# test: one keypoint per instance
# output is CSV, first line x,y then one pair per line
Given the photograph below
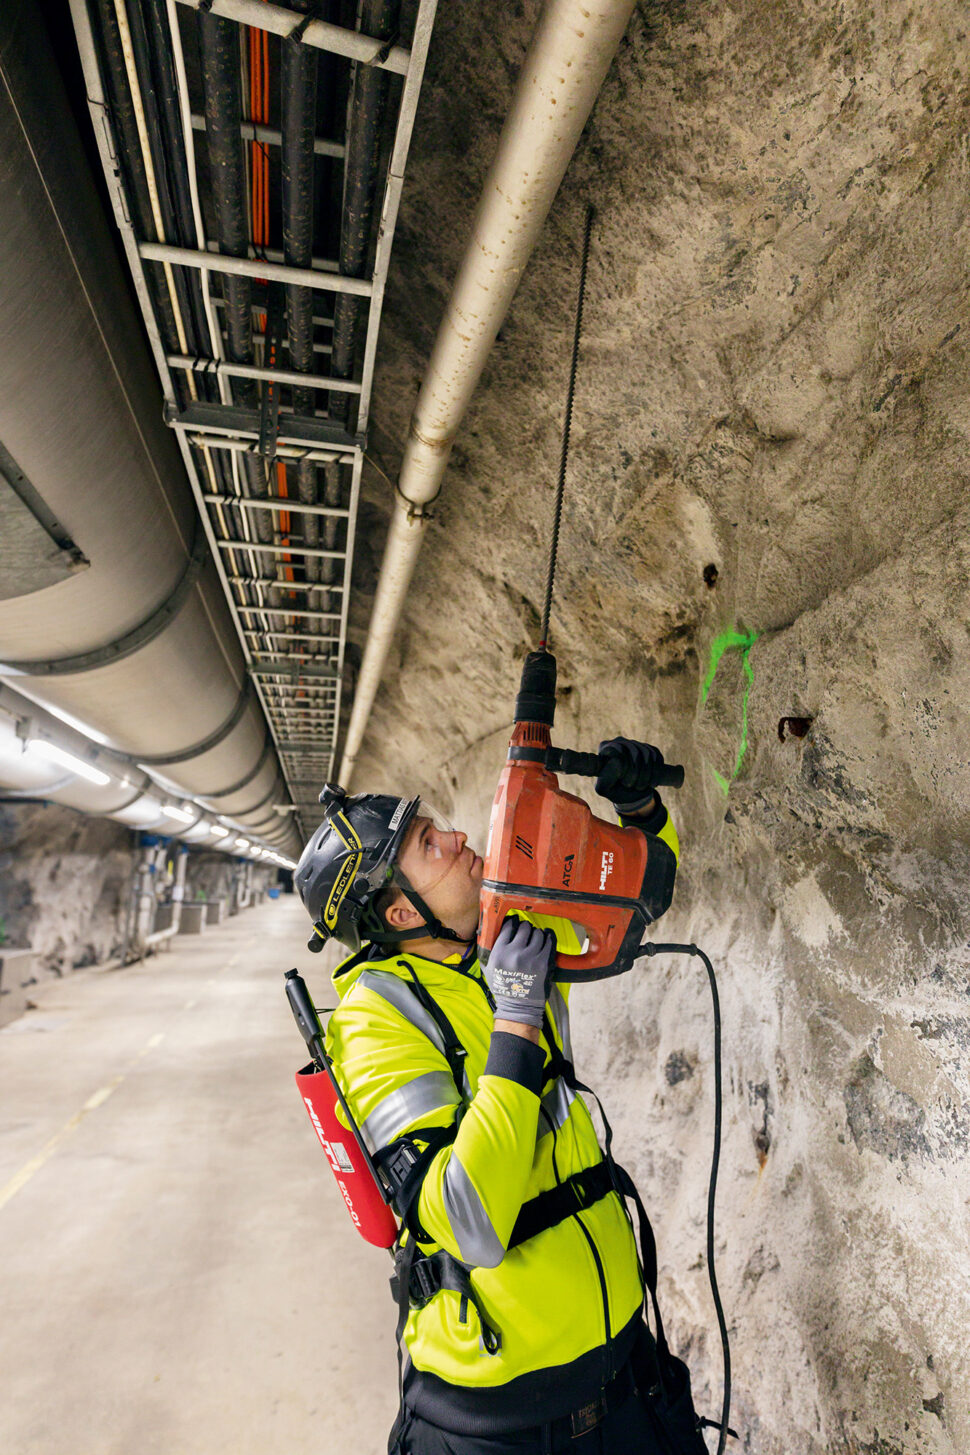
x,y
765,519
66,885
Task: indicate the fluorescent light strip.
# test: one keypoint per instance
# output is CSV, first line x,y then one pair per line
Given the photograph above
x,y
51,753
179,813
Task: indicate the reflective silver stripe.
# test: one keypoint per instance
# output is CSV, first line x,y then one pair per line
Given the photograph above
x,y
555,1104
478,1242
430,1092
560,1014
395,992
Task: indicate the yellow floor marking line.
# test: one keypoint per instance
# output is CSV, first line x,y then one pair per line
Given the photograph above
x,y
96,1099
156,1040
21,1178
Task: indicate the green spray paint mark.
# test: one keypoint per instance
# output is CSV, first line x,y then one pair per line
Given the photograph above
x,y
722,783
742,642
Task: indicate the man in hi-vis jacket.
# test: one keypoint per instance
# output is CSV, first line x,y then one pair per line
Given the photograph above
x,y
522,1317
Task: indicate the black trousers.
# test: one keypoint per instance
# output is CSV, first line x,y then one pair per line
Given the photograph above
x,y
626,1430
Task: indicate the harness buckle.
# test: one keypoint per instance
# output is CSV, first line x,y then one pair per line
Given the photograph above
x,y
424,1283
581,1189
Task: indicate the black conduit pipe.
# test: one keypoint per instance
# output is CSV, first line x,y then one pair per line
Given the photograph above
x,y
136,185
298,124
219,47
379,18
149,20
158,85
365,125
175,162
219,51
156,147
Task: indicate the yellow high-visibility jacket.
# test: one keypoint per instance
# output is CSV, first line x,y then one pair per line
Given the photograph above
x,y
567,1302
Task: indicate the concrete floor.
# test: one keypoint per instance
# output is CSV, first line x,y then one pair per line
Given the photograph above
x,y
178,1275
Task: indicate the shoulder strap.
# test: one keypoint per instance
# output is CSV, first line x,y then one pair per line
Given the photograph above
x,y
648,1256
455,1052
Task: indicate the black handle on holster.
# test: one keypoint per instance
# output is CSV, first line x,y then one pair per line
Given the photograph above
x,y
591,765
305,1015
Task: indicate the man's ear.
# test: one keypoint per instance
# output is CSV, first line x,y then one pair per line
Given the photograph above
x,y
402,915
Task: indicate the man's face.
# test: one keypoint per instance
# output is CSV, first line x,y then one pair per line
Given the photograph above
x,y
445,872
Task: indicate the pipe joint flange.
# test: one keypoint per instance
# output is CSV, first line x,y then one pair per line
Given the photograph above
x,y
132,641
160,760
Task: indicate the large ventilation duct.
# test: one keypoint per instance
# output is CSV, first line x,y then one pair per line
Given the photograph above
x,y
52,761
136,639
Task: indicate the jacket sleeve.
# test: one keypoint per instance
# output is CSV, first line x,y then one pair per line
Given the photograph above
x,y
397,1081
474,1189
658,823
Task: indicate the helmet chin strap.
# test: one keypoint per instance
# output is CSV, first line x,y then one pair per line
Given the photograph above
x,y
432,925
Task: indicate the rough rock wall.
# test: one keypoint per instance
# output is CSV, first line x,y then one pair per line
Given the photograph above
x,y
773,383
212,876
63,884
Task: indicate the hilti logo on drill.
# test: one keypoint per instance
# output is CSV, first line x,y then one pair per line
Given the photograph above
x,y
606,868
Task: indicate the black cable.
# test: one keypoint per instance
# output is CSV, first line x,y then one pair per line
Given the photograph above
x,y
567,422
658,949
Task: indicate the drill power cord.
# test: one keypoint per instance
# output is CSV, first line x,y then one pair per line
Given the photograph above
x,y
651,949
567,422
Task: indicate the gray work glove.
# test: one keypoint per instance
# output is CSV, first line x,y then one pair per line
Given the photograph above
x,y
628,777
519,970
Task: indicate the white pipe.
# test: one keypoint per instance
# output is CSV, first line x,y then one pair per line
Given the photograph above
x,y
319,33
560,79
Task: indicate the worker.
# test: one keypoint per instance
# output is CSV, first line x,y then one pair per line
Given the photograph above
x,y
522,1305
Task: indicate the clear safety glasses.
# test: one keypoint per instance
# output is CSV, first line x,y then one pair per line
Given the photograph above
x,y
432,849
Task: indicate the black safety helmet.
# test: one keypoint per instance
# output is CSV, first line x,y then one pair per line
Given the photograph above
x,y
349,860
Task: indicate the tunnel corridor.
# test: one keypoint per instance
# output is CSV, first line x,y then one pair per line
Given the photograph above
x,y
287,306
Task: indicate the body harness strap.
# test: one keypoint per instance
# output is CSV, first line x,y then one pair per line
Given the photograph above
x,y
623,1184
455,1052
550,1208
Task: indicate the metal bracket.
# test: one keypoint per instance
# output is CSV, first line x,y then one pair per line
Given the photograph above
x,y
412,509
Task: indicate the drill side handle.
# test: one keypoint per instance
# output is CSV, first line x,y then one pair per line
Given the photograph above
x,y
590,765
